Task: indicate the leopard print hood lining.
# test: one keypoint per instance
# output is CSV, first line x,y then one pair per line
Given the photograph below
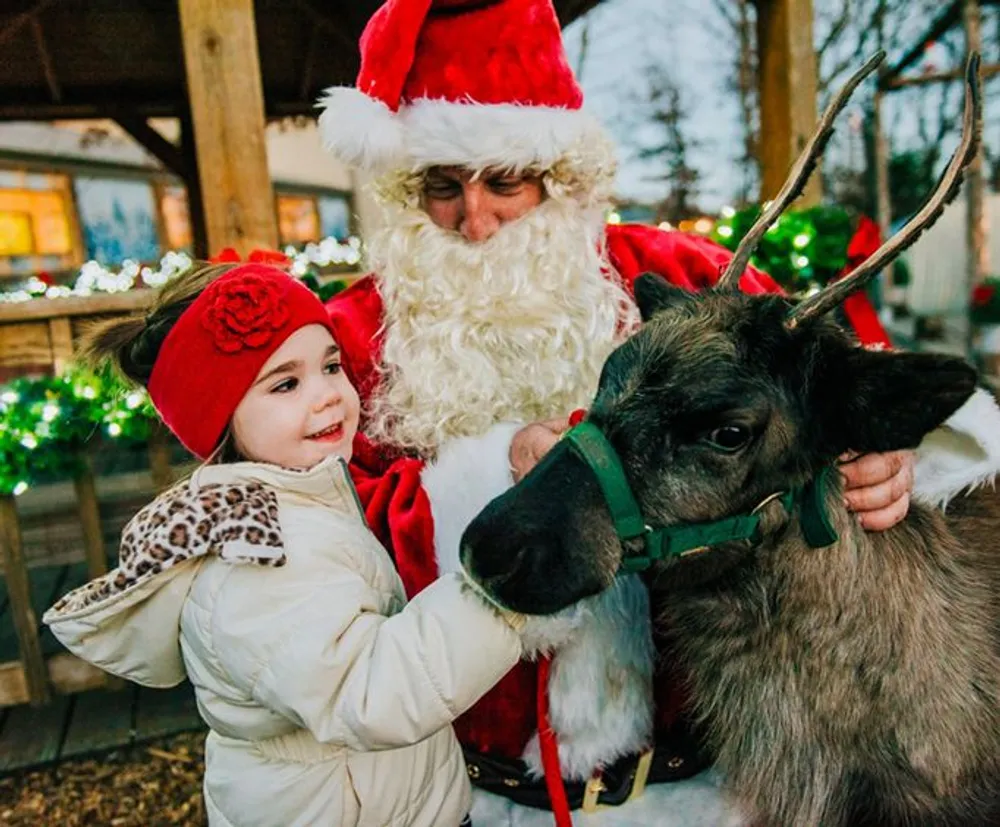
x,y
239,522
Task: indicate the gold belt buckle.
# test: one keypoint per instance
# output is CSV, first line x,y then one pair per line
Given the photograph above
x,y
641,774
595,786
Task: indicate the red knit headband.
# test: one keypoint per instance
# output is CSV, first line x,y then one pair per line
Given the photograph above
x,y
217,347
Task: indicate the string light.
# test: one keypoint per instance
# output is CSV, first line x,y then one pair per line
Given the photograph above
x,y
94,277
45,423
802,251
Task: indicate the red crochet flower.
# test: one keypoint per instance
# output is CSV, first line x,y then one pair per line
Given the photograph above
x,y
244,312
983,295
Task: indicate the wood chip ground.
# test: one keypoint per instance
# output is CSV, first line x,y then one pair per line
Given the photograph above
x,y
157,784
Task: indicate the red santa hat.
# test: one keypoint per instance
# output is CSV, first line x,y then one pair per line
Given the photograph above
x,y
476,83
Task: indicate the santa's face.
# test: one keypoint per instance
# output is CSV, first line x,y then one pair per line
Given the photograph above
x,y
512,328
477,204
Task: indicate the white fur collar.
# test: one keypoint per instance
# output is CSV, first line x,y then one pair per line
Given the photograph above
x,y
962,454
600,688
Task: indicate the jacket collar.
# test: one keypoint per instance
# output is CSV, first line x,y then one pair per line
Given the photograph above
x,y
328,483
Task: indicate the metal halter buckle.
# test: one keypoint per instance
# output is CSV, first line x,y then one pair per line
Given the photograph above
x,y
595,786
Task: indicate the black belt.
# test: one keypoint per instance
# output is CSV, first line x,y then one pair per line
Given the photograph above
x,y
673,759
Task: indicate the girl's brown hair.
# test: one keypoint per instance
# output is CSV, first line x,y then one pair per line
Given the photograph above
x,y
132,343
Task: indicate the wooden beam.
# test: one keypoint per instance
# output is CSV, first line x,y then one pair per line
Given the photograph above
x,y
45,58
14,25
15,572
19,312
227,108
89,512
196,201
34,111
66,673
787,92
152,141
158,450
334,26
305,85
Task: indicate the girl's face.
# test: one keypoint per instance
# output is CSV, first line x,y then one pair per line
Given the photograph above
x,y
301,408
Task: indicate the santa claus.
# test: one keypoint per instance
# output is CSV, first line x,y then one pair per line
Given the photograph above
x,y
497,292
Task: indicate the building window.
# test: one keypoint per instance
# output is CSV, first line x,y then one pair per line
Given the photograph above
x,y
35,223
176,217
335,216
298,219
118,219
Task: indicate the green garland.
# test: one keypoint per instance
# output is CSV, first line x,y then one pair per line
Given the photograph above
x,y
802,251
46,422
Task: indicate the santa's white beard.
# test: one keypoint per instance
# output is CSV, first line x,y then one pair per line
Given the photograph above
x,y
514,329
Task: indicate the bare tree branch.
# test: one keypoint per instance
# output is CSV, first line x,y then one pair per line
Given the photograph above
x,y
836,30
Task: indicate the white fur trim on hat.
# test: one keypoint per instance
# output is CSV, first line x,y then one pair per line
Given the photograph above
x,y
360,130
484,135
364,132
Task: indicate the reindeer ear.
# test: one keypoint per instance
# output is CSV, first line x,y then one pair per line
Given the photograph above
x,y
655,294
886,401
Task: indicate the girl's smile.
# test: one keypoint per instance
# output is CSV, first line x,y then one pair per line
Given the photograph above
x,y
334,433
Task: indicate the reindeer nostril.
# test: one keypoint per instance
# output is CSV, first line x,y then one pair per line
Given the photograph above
x,y
488,565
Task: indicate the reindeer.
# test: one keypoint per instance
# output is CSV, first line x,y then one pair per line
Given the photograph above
x,y
843,677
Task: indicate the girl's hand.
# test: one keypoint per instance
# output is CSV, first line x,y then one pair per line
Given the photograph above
x,y
878,486
532,443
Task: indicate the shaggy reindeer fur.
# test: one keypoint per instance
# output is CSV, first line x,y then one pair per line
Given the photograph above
x,y
857,684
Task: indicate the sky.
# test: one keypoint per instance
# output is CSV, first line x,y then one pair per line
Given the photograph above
x,y
625,35
684,36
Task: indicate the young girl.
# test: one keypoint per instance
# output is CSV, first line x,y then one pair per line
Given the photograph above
x,y
328,697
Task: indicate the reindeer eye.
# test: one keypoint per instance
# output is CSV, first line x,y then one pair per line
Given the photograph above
x,y
729,438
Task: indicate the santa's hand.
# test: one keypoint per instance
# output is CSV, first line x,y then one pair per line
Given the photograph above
x,y
532,443
878,486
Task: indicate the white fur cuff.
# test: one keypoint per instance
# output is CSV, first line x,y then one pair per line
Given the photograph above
x,y
467,474
961,454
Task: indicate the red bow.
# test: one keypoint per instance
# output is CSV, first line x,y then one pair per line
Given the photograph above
x,y
258,256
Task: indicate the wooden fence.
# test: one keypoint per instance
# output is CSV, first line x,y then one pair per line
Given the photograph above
x,y
39,336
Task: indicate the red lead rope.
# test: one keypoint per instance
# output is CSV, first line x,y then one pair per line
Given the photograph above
x,y
549,747
547,742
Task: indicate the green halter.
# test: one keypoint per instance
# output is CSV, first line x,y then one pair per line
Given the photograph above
x,y
665,542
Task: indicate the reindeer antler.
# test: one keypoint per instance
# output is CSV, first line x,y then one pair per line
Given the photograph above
x,y
945,191
801,170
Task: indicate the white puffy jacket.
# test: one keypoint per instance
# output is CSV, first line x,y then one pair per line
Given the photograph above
x,y
329,698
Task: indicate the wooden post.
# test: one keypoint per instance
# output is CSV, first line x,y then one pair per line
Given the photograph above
x,y
787,92
975,187
19,594
61,342
158,447
89,512
227,108
192,182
